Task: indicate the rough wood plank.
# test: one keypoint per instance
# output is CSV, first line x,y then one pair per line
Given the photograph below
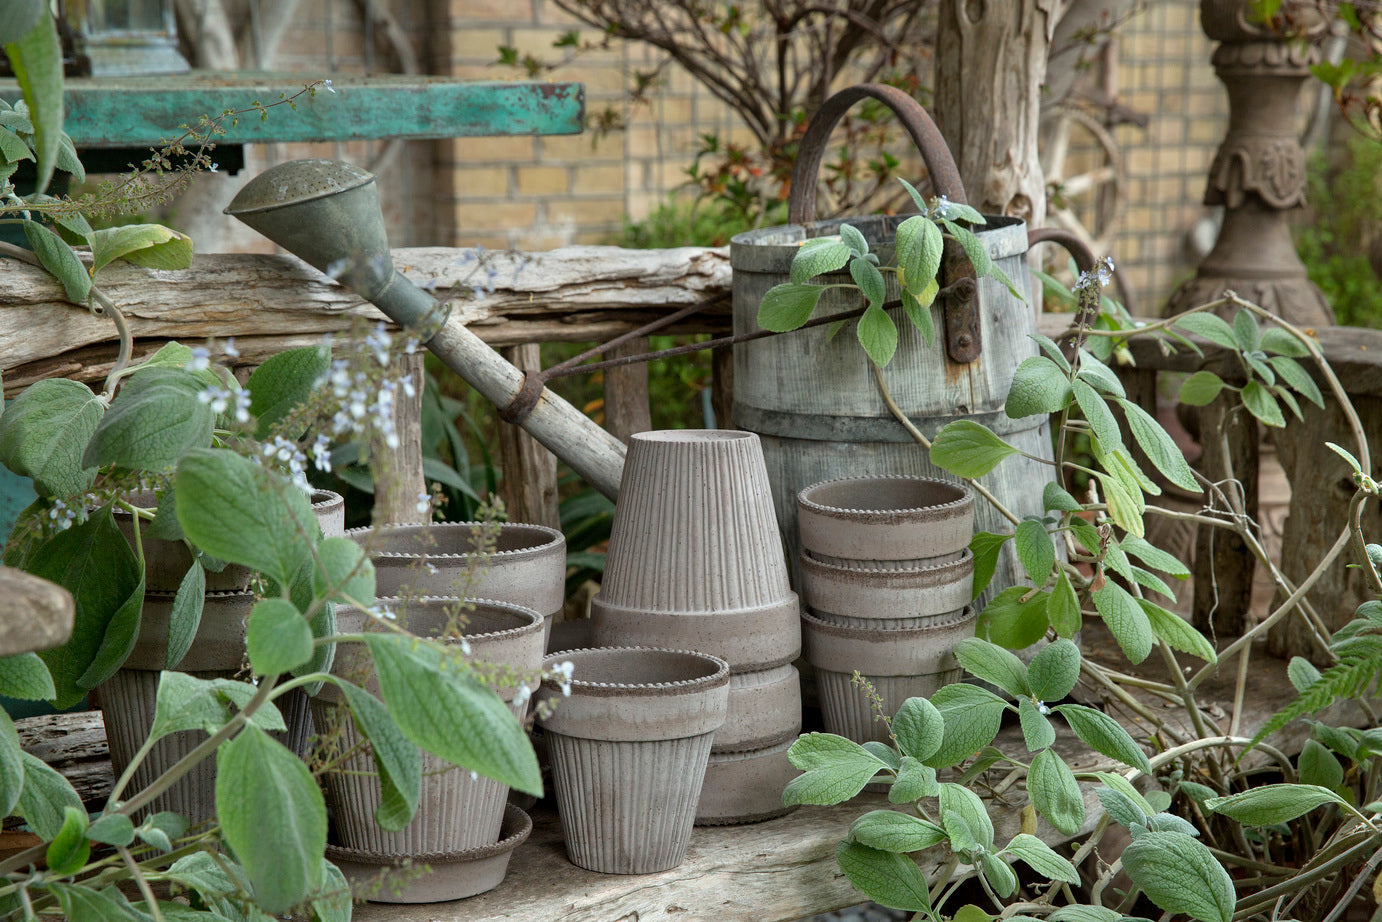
x,y
626,393
529,484
722,386
38,613
1223,566
74,744
270,303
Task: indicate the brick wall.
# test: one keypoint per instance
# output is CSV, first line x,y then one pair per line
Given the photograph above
x,y
537,193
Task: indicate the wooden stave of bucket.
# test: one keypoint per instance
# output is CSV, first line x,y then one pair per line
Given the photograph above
x,y
817,411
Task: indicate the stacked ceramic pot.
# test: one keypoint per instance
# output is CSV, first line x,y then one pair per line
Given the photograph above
x,y
696,563
508,562
216,651
629,738
886,581
462,828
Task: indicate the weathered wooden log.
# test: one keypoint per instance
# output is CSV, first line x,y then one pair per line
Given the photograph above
x,y
529,486
270,303
73,744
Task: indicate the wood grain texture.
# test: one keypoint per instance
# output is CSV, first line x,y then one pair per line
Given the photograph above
x,y
74,744
626,393
398,478
272,303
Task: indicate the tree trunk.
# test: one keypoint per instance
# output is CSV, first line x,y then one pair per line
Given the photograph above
x,y
990,67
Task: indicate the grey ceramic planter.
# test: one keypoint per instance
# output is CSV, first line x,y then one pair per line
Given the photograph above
x,y
900,664
527,566
629,749
910,596
745,786
167,562
127,699
875,520
451,876
456,812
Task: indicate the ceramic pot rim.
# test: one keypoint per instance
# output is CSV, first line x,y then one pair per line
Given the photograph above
x,y
535,625
516,828
963,566
644,689
147,499
692,436
867,634
553,539
964,500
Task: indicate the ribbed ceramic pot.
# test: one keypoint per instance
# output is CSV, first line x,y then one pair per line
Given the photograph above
x,y
527,566
875,520
444,877
629,749
456,812
889,598
167,562
899,664
128,698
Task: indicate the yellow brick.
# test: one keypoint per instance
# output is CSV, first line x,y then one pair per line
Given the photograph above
x,y
600,81
488,241
469,215
643,141
469,43
516,149
586,211
543,180
543,238
465,11
484,180
595,179
582,148
536,41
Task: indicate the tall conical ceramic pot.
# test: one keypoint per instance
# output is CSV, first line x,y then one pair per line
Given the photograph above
x,y
517,563
695,562
629,748
457,812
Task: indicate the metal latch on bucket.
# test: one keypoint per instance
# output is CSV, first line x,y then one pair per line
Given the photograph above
x,y
963,341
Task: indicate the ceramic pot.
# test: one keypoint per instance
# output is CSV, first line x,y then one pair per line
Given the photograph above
x,y
900,664
889,599
746,787
456,813
128,698
527,566
629,750
167,562
880,520
446,877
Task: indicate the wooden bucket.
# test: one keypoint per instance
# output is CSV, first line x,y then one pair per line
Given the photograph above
x,y
813,401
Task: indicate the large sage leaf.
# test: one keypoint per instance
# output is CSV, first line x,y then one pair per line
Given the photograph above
x,y
892,831
24,676
1054,670
45,430
443,708
1272,803
1039,386
92,561
185,702
884,877
278,637
11,765
834,769
1055,793
918,728
965,818
45,799
238,511
272,816
36,58
1041,858
59,259
284,382
396,758
994,664
1104,734
1179,874
968,449
155,419
152,246
972,716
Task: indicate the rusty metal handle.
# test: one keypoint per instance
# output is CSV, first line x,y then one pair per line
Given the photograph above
x,y
1073,244
935,153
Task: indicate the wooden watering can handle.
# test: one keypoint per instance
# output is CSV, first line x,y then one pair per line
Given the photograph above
x,y
945,176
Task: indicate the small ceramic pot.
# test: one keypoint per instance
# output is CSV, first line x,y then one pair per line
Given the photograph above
x,y
629,749
454,876
892,598
167,562
527,566
877,519
764,709
456,812
900,664
128,698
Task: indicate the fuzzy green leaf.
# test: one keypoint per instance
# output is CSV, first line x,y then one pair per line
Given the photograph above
x,y
45,430
972,716
1262,404
1104,734
968,449
1208,326
59,259
1200,389
278,637
877,334
1055,793
1297,378
152,246
1063,610
36,59
918,311
1177,633
1098,415
1270,804
24,676
985,547
1035,550
1125,619
1039,387
284,382
787,306
890,831
1011,622
817,257
918,728
834,769
993,664
1054,670
1180,875
1037,731
1041,858
1159,446
884,877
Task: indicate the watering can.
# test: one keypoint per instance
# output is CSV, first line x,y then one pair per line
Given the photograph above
x,y
327,213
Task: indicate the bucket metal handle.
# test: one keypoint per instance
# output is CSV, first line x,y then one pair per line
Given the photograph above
x,y
935,153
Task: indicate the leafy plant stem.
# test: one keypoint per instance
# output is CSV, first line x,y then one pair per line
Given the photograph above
x,y
1251,863
141,883
1096,893
1250,905
1137,707
1288,771
107,308
1240,688
943,877
1355,526
924,442
1358,879
140,755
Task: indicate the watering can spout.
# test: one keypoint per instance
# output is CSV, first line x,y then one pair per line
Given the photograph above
x,y
327,213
